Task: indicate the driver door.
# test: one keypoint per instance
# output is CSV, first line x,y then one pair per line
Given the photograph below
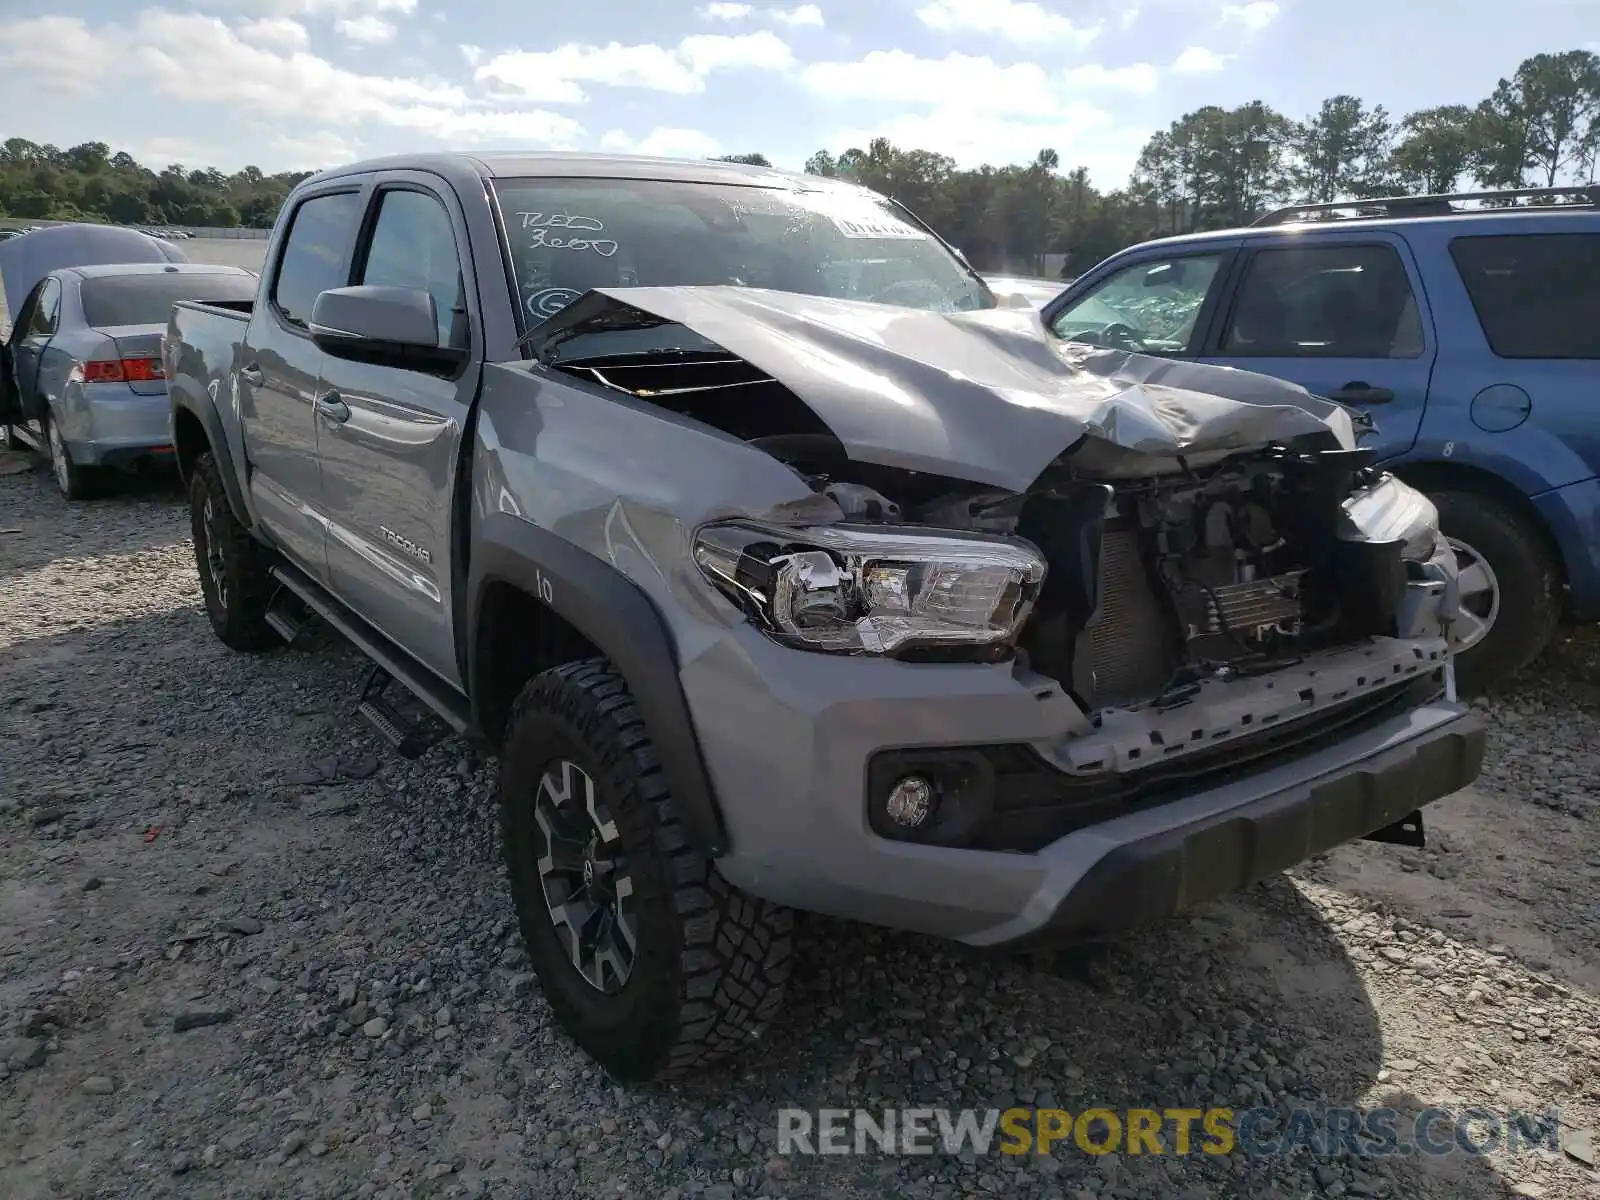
x,y
1159,299
36,326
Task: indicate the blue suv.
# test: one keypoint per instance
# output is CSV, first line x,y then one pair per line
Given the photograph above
x,y
1470,337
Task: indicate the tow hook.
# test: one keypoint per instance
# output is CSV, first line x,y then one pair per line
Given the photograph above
x,y
1407,831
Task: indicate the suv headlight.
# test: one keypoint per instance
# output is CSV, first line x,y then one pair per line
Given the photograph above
x,y
845,589
1393,511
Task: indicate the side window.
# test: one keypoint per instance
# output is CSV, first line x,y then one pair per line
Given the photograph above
x,y
47,312
322,230
1150,306
1537,295
414,245
1325,302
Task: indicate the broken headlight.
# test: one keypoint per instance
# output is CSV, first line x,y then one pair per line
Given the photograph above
x,y
1393,511
869,590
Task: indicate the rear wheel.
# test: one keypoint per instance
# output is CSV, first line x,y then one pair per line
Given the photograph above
x,y
1510,588
234,581
72,481
650,960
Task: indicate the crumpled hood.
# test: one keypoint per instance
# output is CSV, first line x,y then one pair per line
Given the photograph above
x,y
25,260
990,396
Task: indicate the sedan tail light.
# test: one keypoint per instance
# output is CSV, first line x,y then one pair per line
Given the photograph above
x,y
123,370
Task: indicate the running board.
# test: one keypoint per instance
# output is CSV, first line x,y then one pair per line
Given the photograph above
x,y
282,615
389,666
409,738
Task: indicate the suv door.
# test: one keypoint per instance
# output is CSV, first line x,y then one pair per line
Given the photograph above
x,y
29,342
1528,387
1343,315
279,366
389,437
1154,300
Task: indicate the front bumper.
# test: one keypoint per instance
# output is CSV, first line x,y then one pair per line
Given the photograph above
x,y
788,738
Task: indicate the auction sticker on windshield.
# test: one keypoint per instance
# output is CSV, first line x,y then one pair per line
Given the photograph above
x,y
877,226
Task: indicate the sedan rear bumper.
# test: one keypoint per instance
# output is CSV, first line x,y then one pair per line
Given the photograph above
x,y
108,424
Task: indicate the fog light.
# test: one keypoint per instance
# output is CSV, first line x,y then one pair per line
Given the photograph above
x,y
910,802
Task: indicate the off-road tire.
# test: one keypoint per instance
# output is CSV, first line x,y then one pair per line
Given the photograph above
x,y
72,481
711,963
1529,580
238,617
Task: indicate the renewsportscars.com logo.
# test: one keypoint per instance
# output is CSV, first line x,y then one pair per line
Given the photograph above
x,y
1361,1133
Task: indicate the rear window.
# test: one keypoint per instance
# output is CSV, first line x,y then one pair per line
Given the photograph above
x,y
1536,294
148,299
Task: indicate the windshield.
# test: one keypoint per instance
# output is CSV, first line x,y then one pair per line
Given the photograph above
x,y
570,235
113,300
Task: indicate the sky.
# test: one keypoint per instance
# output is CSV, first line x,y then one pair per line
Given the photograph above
x,y
300,84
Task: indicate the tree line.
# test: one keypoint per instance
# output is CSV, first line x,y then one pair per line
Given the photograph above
x,y
1211,168
90,183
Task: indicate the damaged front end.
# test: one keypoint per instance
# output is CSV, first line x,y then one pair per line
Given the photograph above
x,y
1214,581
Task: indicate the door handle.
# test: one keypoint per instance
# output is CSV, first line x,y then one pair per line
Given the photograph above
x,y
330,406
253,375
1361,393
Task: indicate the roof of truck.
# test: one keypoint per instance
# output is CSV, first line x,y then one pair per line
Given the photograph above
x,y
573,164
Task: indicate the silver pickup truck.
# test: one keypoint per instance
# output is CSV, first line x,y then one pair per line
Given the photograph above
x,y
784,568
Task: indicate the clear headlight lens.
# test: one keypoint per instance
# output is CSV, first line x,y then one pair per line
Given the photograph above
x,y
869,590
1393,511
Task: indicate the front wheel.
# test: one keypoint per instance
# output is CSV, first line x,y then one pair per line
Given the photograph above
x,y
649,959
234,582
1510,588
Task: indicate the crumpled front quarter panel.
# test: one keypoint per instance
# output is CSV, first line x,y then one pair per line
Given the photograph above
x,y
627,483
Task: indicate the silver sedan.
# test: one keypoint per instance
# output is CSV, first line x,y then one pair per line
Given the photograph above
x,y
85,360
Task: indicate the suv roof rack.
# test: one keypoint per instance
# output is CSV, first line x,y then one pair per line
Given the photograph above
x,y
1586,196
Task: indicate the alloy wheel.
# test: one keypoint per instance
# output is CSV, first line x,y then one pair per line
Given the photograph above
x,y
586,886
214,566
59,463
1480,597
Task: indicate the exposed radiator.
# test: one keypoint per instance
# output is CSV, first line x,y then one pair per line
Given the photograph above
x,y
1123,656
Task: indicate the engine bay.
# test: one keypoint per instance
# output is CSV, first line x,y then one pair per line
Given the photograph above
x,y
1157,585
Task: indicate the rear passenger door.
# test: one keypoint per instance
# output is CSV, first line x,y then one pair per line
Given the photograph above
x,y
278,371
389,437
1530,389
1344,316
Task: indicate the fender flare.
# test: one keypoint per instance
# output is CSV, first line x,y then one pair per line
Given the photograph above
x,y
217,440
621,621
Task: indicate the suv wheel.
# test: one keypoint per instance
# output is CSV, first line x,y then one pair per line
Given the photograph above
x,y
1510,588
233,570
72,481
652,962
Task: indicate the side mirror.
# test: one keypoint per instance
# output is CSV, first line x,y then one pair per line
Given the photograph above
x,y
389,326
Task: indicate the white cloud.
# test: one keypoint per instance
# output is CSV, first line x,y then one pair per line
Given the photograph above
x,y
276,31
805,14
315,151
473,54
1015,20
664,141
1128,19
1197,60
368,30
160,52
316,8
556,76
984,86
726,12
1254,16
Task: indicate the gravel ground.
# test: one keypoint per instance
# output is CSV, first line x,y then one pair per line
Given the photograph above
x,y
246,953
